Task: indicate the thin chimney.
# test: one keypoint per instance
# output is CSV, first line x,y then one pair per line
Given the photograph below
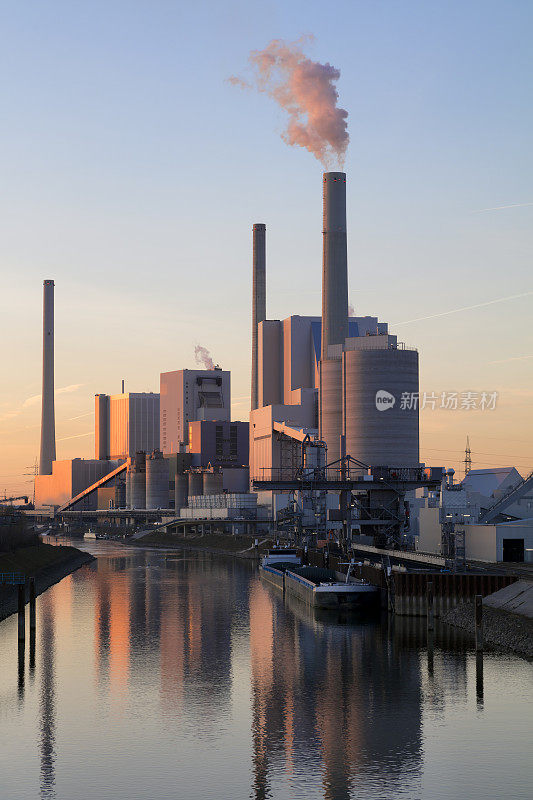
x,y
48,425
258,300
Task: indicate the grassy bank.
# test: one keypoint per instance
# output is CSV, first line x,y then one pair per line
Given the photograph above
x,y
210,542
47,563
31,560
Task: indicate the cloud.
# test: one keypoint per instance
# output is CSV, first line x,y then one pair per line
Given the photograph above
x,y
464,308
500,208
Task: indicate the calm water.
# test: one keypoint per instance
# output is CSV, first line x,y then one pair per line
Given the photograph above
x,y
157,675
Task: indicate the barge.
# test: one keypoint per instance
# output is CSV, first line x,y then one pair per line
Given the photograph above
x,y
276,562
325,588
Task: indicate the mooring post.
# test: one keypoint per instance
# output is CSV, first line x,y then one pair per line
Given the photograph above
x,y
479,622
32,604
429,605
21,611
479,678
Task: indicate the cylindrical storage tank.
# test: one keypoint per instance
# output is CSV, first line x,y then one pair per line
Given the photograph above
x,y
157,491
128,486
196,483
138,489
181,491
213,483
330,408
236,479
381,407
120,493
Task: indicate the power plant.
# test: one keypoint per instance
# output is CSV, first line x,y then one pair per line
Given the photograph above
x,y
331,448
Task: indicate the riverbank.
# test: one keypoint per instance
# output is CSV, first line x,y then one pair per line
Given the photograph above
x,y
502,629
238,546
47,563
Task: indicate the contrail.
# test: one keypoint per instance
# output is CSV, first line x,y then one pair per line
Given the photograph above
x,y
513,358
499,208
306,90
77,436
464,308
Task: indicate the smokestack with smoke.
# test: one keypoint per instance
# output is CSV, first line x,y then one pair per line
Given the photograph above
x,y
202,356
306,90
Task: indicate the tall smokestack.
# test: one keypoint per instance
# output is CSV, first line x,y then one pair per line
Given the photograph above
x,y
258,299
334,262
48,424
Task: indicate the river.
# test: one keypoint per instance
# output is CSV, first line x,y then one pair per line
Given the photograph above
x,y
161,675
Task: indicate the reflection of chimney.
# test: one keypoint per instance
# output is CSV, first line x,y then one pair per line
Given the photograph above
x,y
334,262
258,299
48,425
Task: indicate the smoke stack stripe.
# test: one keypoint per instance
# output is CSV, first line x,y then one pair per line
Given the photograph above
x,y
258,299
334,262
48,425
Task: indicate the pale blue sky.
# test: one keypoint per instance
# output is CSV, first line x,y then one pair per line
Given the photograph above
x,y
132,173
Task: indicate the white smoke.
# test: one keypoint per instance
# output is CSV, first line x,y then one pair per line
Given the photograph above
x,y
203,356
306,90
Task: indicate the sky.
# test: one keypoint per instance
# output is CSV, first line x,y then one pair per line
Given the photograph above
x,y
132,173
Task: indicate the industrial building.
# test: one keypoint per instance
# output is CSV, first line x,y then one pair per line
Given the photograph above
x,y
318,382
69,478
218,444
490,512
191,395
125,423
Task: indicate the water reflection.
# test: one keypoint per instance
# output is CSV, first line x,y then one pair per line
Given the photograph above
x,y
47,704
184,671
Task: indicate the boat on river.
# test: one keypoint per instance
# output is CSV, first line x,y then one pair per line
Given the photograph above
x,y
325,588
276,562
317,586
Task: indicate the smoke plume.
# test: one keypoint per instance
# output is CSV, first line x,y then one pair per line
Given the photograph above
x,y
202,356
306,91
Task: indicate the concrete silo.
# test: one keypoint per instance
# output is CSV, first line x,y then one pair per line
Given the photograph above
x,y
330,428
181,491
196,484
157,480
379,430
138,481
128,483
213,483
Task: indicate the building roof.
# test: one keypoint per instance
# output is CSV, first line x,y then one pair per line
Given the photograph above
x,y
487,481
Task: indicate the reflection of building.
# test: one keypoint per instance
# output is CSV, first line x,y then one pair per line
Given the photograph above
x,y
330,694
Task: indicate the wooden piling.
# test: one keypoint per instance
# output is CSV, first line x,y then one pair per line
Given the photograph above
x,y
479,622
429,606
21,611
32,605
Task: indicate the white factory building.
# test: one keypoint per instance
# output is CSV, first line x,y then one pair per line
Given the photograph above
x,y
494,508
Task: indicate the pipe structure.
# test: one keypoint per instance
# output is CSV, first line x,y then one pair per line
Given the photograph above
x,y
258,299
48,426
334,262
